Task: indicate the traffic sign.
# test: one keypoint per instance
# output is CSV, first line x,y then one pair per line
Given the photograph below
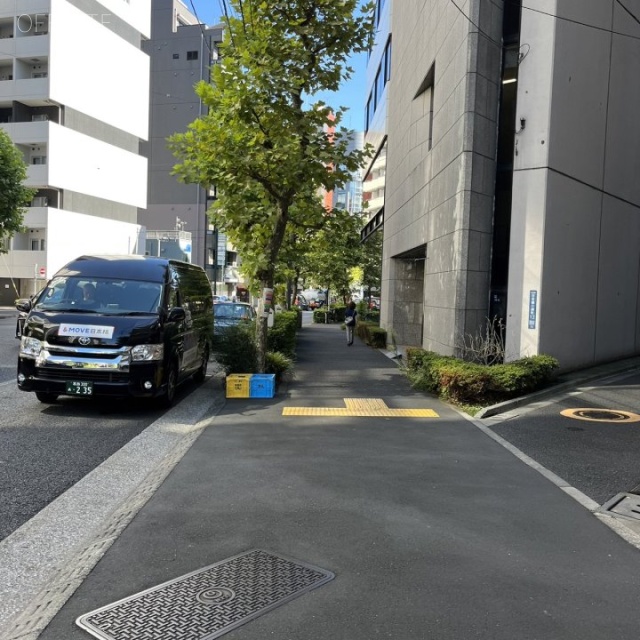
x,y
42,272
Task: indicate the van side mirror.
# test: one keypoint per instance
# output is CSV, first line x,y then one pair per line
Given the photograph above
x,y
23,305
177,314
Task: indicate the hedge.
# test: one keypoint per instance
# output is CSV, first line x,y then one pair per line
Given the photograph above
x,y
371,334
469,383
335,314
236,351
282,335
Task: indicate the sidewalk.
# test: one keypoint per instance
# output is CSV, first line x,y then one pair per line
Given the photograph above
x,y
431,528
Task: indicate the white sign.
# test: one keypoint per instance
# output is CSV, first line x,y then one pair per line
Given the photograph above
x,y
86,330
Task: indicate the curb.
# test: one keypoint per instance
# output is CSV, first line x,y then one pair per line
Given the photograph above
x,y
559,388
70,535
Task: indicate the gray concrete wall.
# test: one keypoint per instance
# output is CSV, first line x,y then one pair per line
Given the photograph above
x,y
576,205
405,301
441,162
174,105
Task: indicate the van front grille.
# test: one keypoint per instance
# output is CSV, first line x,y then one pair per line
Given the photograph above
x,y
94,375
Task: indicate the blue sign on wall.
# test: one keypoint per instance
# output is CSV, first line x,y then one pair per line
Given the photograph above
x,y
533,308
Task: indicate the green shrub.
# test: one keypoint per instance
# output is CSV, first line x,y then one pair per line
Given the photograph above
x,y
470,383
235,349
338,312
363,329
278,363
372,315
461,381
320,314
282,336
371,334
378,338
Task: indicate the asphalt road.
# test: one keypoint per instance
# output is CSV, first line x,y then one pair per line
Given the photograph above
x,y
45,449
600,458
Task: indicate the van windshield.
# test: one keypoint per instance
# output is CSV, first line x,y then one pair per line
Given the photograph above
x,y
100,295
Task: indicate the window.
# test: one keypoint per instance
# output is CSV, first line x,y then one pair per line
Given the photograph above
x,y
35,245
39,160
387,61
42,244
379,88
192,55
176,56
370,110
379,8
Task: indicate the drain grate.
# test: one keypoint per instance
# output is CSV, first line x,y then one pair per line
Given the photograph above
x,y
624,504
209,602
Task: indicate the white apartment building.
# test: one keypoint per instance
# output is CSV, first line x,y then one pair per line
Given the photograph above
x,y
74,98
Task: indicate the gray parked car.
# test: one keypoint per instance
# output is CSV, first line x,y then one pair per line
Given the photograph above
x,y
229,314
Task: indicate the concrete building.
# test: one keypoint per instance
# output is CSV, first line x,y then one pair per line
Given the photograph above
x,y
74,88
182,51
512,173
375,119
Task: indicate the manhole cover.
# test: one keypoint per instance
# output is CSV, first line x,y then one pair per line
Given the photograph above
x,y
601,415
624,504
206,603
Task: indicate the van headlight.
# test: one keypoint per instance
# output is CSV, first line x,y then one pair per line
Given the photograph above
x,y
144,352
30,347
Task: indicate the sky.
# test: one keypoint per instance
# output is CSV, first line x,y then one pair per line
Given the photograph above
x,y
352,92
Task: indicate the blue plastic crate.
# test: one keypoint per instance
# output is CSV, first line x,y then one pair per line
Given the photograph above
x,y
262,385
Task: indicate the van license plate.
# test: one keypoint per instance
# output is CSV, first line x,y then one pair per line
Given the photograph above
x,y
80,388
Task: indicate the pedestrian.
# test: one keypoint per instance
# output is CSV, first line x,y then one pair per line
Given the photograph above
x,y
350,321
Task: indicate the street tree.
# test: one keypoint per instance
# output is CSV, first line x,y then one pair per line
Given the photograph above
x,y
14,196
265,150
335,251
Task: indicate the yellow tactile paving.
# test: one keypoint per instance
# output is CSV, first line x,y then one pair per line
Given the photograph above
x,y
361,408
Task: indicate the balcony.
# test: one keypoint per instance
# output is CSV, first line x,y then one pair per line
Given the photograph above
x,y
26,90
32,46
8,7
37,175
27,132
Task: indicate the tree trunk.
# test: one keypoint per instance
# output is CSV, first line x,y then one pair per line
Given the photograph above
x,y
261,342
267,278
290,294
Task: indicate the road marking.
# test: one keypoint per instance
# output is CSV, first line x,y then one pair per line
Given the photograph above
x,y
361,408
594,414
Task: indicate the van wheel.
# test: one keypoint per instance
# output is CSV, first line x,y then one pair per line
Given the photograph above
x,y
201,373
169,396
47,398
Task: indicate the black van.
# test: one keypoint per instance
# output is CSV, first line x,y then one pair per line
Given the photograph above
x,y
117,326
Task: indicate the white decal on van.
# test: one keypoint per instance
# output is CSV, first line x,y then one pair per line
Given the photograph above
x,y
86,330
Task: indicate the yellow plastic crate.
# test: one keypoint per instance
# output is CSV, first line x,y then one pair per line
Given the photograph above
x,y
238,385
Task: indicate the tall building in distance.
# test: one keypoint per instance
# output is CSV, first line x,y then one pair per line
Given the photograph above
x,y
512,186
182,51
349,197
74,91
